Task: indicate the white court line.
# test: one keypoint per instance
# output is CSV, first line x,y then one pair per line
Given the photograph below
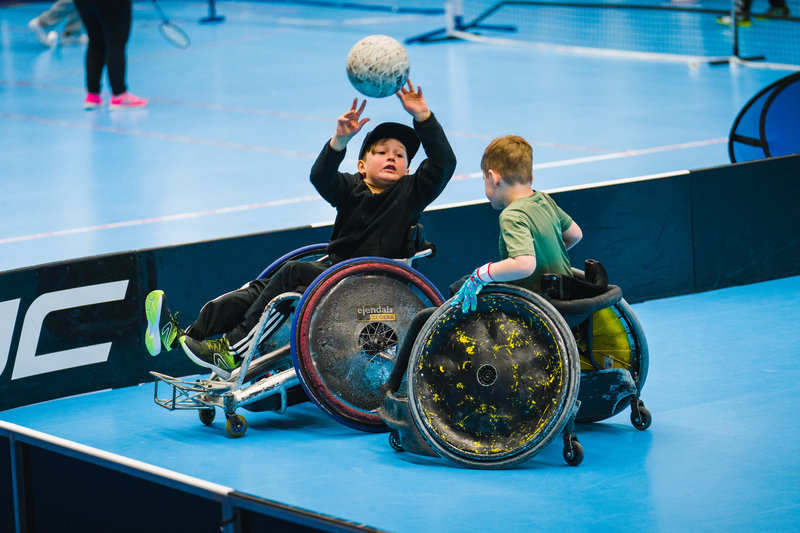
x,y
167,218
604,157
302,199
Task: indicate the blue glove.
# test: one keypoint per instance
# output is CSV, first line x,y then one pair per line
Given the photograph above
x,y
467,295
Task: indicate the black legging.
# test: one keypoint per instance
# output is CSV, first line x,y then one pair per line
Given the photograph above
x,y
237,313
108,24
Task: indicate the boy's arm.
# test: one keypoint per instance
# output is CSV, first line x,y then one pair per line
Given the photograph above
x,y
435,172
572,235
510,269
325,175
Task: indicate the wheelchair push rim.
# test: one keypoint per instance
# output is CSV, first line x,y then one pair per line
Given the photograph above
x,y
346,333
491,388
312,252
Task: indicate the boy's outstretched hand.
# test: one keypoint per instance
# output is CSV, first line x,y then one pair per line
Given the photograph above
x,y
348,125
467,295
414,102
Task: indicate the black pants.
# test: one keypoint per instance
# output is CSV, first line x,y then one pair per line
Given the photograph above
x,y
401,363
108,24
236,314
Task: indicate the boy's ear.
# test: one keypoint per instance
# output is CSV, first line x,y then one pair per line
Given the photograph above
x,y
495,177
361,166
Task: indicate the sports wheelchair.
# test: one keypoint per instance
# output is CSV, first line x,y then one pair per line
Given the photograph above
x,y
336,350
493,387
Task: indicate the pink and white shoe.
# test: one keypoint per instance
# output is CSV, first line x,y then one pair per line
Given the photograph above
x,y
126,101
92,101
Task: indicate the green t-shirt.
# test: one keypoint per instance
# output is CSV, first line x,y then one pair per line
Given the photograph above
x,y
533,226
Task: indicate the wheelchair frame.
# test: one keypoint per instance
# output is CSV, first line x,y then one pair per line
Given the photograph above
x,y
263,382
418,429
409,431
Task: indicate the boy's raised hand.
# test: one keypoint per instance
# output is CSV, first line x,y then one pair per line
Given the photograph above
x,y
414,102
348,125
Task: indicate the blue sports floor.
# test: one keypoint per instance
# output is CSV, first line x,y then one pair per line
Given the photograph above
x,y
224,148
722,454
236,120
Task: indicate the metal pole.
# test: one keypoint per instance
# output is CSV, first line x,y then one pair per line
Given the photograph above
x,y
212,14
734,30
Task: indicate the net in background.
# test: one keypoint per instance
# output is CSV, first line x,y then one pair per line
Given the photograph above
x,y
642,27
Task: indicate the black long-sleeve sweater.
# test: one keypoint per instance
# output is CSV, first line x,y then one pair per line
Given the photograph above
x,y
369,224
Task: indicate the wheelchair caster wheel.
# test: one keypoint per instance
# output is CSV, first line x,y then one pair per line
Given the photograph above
x,y
640,416
207,416
236,426
573,451
394,442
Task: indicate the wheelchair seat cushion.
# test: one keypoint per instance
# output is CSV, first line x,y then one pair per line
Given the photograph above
x,y
576,311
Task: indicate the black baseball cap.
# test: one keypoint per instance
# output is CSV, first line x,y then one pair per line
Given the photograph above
x,y
392,130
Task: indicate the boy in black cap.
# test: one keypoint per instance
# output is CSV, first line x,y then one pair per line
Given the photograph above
x,y
375,209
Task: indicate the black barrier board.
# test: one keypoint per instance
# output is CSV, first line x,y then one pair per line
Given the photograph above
x,y
64,493
465,237
193,274
640,231
65,329
746,222
7,522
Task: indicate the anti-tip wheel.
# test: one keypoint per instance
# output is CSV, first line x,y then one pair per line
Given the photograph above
x,y
237,427
575,457
207,415
394,442
643,421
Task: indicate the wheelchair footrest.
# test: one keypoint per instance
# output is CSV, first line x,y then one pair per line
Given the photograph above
x,y
185,394
602,391
394,412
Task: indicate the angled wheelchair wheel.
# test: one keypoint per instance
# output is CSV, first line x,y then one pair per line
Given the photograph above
x,y
619,342
346,332
313,252
493,387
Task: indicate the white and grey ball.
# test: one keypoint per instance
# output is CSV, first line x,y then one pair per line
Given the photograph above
x,y
378,66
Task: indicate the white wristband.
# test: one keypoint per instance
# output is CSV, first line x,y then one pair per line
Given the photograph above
x,y
483,274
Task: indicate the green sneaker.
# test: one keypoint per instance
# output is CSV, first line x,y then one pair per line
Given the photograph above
x,y
214,354
774,13
162,328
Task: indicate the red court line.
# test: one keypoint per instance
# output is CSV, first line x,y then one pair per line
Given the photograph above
x,y
283,114
170,52
153,135
171,101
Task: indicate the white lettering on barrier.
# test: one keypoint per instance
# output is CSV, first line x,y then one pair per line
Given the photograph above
x,y
28,363
8,319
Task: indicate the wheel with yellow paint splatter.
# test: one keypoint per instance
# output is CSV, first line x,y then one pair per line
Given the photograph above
x,y
347,329
493,387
